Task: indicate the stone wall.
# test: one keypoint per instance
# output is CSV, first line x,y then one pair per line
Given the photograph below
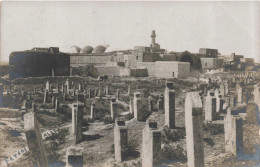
x,y
211,63
168,69
109,71
77,60
139,72
150,67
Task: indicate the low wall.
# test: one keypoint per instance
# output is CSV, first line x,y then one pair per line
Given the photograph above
x,y
81,60
139,72
109,71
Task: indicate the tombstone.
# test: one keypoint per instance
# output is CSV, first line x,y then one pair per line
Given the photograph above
x,y
120,140
112,107
233,126
137,103
130,106
221,104
117,94
232,101
226,87
252,113
47,86
222,89
24,107
34,90
74,157
57,104
77,120
240,95
89,93
160,104
67,84
150,103
1,96
33,107
107,90
45,98
129,90
92,111
217,100
210,107
151,144
34,140
194,130
80,88
169,105
62,88
53,101
227,100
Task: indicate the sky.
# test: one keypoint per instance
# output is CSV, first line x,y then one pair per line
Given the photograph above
x,y
230,27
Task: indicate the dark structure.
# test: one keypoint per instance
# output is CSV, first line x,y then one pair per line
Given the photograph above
x,y
39,62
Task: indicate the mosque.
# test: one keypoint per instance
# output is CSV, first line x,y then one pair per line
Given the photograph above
x,y
142,61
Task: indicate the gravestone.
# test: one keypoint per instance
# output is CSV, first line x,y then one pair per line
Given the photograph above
x,y
137,103
92,111
120,140
233,126
34,140
112,107
194,130
169,105
151,144
210,107
74,157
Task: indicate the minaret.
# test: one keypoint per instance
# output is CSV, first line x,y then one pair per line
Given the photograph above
x,y
153,36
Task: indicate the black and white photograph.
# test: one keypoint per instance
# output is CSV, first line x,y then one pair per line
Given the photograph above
x,y
129,83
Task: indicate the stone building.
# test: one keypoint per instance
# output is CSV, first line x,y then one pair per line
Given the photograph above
x,y
211,63
39,62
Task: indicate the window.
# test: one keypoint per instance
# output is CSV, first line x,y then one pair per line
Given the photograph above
x,y
136,57
206,64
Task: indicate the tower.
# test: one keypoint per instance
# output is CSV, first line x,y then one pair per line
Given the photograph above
x,y
153,36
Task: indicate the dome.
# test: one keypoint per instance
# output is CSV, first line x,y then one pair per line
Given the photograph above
x,y
74,49
87,49
99,49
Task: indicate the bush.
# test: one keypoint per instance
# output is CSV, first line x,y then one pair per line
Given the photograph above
x,y
108,120
46,106
172,135
129,116
143,112
58,138
131,150
4,70
214,128
86,71
169,152
66,112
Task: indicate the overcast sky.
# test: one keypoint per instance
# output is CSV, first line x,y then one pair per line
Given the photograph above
x,y
226,26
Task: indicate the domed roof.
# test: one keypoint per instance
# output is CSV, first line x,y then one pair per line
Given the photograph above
x,y
86,49
75,49
99,49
